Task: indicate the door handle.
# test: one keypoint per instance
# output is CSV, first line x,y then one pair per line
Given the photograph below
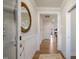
x,y
22,51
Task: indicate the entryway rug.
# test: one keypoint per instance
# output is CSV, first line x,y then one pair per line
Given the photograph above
x,y
50,56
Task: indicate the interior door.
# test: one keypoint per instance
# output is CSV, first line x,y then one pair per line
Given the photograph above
x,y
9,29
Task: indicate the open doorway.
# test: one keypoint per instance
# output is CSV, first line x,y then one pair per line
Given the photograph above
x,y
48,25
49,32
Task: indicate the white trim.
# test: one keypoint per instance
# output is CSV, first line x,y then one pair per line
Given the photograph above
x,y
18,18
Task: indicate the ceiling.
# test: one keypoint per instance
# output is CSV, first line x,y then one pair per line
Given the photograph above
x,y
48,3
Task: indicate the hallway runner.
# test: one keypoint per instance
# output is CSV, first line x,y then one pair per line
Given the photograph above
x,y
50,56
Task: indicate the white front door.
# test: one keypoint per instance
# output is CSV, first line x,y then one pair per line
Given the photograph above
x,y
20,47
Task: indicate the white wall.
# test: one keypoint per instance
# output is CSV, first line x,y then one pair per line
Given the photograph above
x,y
65,6
30,39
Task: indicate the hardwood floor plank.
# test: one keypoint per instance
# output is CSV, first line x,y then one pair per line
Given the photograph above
x,y
45,49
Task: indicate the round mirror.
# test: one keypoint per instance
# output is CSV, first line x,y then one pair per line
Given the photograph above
x,y
25,18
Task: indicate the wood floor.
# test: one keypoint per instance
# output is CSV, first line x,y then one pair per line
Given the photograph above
x,y
45,49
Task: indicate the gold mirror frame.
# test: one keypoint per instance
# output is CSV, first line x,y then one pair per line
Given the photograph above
x,y
23,29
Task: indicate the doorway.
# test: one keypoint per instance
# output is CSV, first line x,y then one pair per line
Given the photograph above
x,y
48,29
49,32
71,33
48,25
56,14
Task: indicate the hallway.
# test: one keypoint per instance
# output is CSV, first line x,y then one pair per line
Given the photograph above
x,y
45,49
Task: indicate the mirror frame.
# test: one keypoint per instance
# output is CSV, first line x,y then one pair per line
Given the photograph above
x,y
23,29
